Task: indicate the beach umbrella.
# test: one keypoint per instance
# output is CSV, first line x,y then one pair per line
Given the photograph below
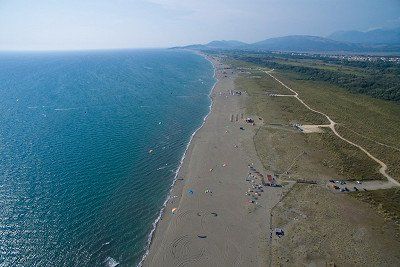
x,y
173,210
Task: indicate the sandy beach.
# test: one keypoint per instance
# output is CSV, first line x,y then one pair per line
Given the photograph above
x,y
209,219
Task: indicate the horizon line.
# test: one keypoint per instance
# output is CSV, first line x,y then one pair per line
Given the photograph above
x,y
78,49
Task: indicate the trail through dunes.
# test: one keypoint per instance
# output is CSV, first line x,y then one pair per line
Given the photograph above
x,y
332,125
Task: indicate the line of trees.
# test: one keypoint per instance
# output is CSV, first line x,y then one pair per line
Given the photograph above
x,y
379,80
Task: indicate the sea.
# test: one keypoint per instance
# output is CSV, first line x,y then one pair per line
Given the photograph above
x,y
90,143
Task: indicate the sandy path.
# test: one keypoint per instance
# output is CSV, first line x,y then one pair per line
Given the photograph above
x,y
220,227
332,124
314,128
376,142
364,186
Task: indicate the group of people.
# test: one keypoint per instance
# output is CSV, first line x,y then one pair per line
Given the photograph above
x,y
256,188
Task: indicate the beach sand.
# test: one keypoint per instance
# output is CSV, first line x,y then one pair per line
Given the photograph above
x,y
213,223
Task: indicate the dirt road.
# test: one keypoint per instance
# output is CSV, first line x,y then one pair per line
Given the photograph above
x,y
332,124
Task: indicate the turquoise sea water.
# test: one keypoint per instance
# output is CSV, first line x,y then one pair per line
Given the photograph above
x,y
78,186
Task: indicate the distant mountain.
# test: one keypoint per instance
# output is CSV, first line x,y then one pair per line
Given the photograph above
x,y
378,36
299,43
192,47
303,43
231,44
215,45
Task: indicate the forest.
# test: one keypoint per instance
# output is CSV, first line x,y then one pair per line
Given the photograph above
x,y
378,79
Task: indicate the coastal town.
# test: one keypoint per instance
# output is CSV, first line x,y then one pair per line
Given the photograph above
x,y
347,57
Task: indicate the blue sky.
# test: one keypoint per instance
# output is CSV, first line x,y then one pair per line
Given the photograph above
x,y
97,24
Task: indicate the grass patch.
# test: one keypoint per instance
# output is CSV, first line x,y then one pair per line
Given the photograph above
x,y
387,153
350,162
323,229
283,110
324,156
385,201
362,119
312,156
318,64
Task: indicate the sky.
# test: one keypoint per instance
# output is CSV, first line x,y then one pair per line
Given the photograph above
x,y
107,24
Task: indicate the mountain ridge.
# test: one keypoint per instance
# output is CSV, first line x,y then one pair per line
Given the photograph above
x,y
376,36
300,43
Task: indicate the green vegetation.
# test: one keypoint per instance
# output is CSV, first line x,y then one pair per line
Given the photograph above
x,y
377,79
319,156
375,121
385,201
372,123
291,111
387,152
336,228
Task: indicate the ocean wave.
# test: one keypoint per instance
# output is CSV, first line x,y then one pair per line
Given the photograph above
x,y
184,96
161,168
110,262
64,109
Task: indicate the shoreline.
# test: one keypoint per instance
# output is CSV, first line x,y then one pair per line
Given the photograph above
x,y
215,220
168,198
215,217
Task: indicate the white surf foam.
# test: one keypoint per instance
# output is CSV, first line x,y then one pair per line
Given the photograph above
x,y
64,109
110,262
161,168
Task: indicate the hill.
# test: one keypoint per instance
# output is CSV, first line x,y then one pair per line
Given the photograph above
x,y
231,44
378,36
303,43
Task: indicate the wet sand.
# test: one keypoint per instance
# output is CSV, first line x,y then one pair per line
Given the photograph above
x,y
214,222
